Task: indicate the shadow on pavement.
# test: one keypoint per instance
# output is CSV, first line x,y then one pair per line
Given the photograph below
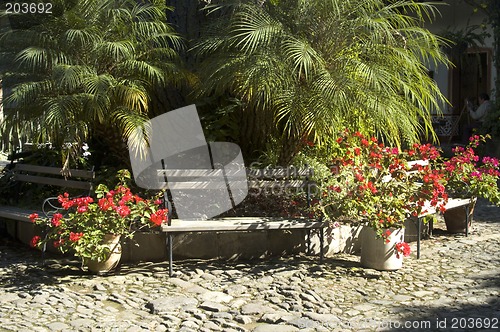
x,y
23,268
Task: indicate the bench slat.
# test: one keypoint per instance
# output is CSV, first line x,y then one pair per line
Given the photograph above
x,y
15,213
79,173
278,174
212,185
53,181
451,204
457,202
278,184
198,185
240,224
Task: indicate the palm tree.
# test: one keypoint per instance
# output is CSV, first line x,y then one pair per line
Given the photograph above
x,y
89,72
304,69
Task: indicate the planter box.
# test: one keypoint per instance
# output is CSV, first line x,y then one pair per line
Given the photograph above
x,y
411,230
238,245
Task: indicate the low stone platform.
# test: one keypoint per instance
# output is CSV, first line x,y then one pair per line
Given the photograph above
x,y
453,287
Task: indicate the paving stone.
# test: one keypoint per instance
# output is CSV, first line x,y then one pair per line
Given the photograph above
x,y
243,319
455,277
58,326
270,318
213,306
212,326
170,304
187,286
215,297
255,308
275,328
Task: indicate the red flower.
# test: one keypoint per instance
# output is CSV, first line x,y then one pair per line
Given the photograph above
x,y
58,243
159,217
123,210
359,177
65,202
105,204
372,188
56,219
82,209
74,237
35,241
402,248
33,217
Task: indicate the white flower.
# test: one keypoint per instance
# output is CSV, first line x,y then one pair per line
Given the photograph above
x,y
85,148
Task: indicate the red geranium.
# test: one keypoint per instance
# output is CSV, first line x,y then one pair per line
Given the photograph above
x,y
85,221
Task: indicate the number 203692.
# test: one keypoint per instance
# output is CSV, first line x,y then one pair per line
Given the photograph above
x,y
28,8
474,323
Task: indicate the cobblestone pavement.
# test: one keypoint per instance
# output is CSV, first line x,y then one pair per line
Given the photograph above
x,y
454,286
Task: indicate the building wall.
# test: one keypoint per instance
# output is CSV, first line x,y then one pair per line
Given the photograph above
x,y
457,15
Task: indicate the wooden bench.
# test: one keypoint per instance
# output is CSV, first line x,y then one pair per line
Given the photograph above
x,y
42,175
257,179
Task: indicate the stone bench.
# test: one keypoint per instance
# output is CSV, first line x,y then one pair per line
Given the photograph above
x,y
271,179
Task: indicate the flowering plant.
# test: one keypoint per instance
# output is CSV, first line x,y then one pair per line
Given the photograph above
x,y
468,175
378,185
84,221
402,248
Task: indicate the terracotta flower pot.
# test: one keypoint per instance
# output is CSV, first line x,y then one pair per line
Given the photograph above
x,y
113,243
379,255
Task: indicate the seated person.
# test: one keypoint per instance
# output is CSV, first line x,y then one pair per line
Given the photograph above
x,y
478,115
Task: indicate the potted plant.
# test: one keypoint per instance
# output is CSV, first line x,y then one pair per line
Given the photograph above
x,y
470,176
91,228
375,185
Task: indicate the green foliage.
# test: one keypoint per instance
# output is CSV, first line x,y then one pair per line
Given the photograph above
x,y
491,124
304,68
89,70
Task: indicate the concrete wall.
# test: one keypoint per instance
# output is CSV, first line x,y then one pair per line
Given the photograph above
x,y
227,245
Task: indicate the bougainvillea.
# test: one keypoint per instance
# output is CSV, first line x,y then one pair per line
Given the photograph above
x,y
381,186
469,175
402,248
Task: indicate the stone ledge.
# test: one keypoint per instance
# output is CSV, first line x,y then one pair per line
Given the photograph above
x,y
228,245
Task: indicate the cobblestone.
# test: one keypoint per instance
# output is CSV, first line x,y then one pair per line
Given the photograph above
x,y
457,279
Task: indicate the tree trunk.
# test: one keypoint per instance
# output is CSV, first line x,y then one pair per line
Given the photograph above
x,y
256,127
187,19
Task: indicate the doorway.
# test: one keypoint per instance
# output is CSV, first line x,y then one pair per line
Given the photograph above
x,y
470,77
